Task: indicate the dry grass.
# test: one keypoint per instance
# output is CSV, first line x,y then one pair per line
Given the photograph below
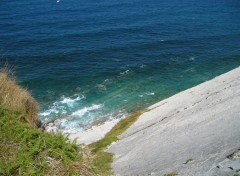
x,y
58,168
9,150
13,97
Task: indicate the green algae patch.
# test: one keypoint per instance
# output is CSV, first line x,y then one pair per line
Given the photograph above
x,y
102,159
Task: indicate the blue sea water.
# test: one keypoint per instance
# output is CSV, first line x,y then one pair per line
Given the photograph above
x,y
91,60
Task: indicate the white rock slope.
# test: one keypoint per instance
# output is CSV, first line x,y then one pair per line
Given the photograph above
x,y
192,133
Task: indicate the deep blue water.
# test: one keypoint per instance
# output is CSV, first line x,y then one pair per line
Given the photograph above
x,y
88,60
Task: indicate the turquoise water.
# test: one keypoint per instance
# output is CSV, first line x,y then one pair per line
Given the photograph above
x,y
91,60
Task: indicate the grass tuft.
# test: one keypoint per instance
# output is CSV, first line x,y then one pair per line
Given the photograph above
x,y
189,161
171,174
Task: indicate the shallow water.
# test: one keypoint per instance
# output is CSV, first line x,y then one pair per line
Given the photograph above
x,y
91,60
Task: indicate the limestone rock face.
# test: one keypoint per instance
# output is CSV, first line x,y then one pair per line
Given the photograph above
x,y
194,133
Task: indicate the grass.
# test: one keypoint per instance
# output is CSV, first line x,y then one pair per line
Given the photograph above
x,y
189,161
171,174
29,151
102,159
13,97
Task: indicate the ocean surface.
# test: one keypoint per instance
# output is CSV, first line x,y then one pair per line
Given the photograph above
x,y
87,61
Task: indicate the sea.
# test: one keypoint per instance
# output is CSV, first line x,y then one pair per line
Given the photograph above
x,y
89,61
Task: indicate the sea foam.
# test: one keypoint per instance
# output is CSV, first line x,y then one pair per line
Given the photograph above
x,y
63,106
85,110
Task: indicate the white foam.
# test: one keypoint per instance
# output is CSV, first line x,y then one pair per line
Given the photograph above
x,y
62,105
96,132
192,58
50,111
45,113
63,125
125,72
85,110
150,93
70,101
107,80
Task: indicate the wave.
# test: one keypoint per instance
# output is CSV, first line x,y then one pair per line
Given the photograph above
x,y
85,110
126,72
64,125
150,93
70,102
71,123
61,107
147,93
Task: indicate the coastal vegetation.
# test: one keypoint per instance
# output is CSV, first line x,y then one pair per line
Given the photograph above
x,y
25,149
